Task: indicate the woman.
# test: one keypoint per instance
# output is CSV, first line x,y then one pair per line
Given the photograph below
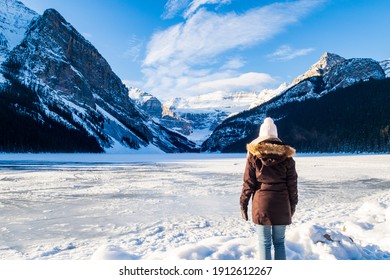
x,y
270,179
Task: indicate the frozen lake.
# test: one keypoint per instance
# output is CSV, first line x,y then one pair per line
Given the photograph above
x,y
184,207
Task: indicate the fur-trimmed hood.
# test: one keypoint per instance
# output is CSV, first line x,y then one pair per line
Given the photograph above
x,y
270,153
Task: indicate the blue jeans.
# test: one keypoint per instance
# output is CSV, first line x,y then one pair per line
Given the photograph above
x,y
268,236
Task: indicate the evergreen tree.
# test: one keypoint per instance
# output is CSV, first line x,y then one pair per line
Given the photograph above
x,y
24,126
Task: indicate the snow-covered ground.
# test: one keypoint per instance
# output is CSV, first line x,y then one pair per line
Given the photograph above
x,y
153,207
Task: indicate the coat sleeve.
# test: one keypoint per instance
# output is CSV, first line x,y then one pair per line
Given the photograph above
x,y
250,182
292,183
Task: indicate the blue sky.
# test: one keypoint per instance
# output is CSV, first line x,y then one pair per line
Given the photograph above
x,y
175,48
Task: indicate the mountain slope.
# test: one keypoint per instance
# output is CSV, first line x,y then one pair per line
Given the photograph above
x,y
386,67
326,62
351,119
75,84
25,126
233,134
14,21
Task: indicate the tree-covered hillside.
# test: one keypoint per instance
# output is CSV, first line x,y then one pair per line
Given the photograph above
x,y
24,127
352,119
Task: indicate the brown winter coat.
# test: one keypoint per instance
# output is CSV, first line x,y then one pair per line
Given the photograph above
x,y
270,179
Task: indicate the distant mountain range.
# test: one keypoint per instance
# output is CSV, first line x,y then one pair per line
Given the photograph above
x,y
58,94
197,116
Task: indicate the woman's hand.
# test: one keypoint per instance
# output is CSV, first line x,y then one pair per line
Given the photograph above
x,y
244,213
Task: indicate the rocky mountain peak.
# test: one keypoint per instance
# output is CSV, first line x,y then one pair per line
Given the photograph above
x,y
327,61
56,55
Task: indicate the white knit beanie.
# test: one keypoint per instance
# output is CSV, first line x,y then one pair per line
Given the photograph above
x,y
267,131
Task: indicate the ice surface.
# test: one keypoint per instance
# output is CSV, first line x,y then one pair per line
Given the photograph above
x,y
161,206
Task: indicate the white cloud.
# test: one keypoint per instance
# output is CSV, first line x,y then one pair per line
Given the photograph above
x,y
135,47
233,63
175,81
173,7
178,56
285,52
247,81
206,34
196,4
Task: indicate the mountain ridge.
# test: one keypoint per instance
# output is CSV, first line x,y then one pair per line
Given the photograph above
x,y
243,126
75,84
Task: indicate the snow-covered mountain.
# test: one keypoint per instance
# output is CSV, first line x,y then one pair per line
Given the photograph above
x,y
197,116
14,21
76,88
326,62
159,112
386,67
329,74
205,112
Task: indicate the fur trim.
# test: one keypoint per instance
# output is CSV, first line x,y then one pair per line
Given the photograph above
x,y
265,149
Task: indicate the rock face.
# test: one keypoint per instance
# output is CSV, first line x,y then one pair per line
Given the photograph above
x,y
323,78
75,84
326,62
160,113
153,106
